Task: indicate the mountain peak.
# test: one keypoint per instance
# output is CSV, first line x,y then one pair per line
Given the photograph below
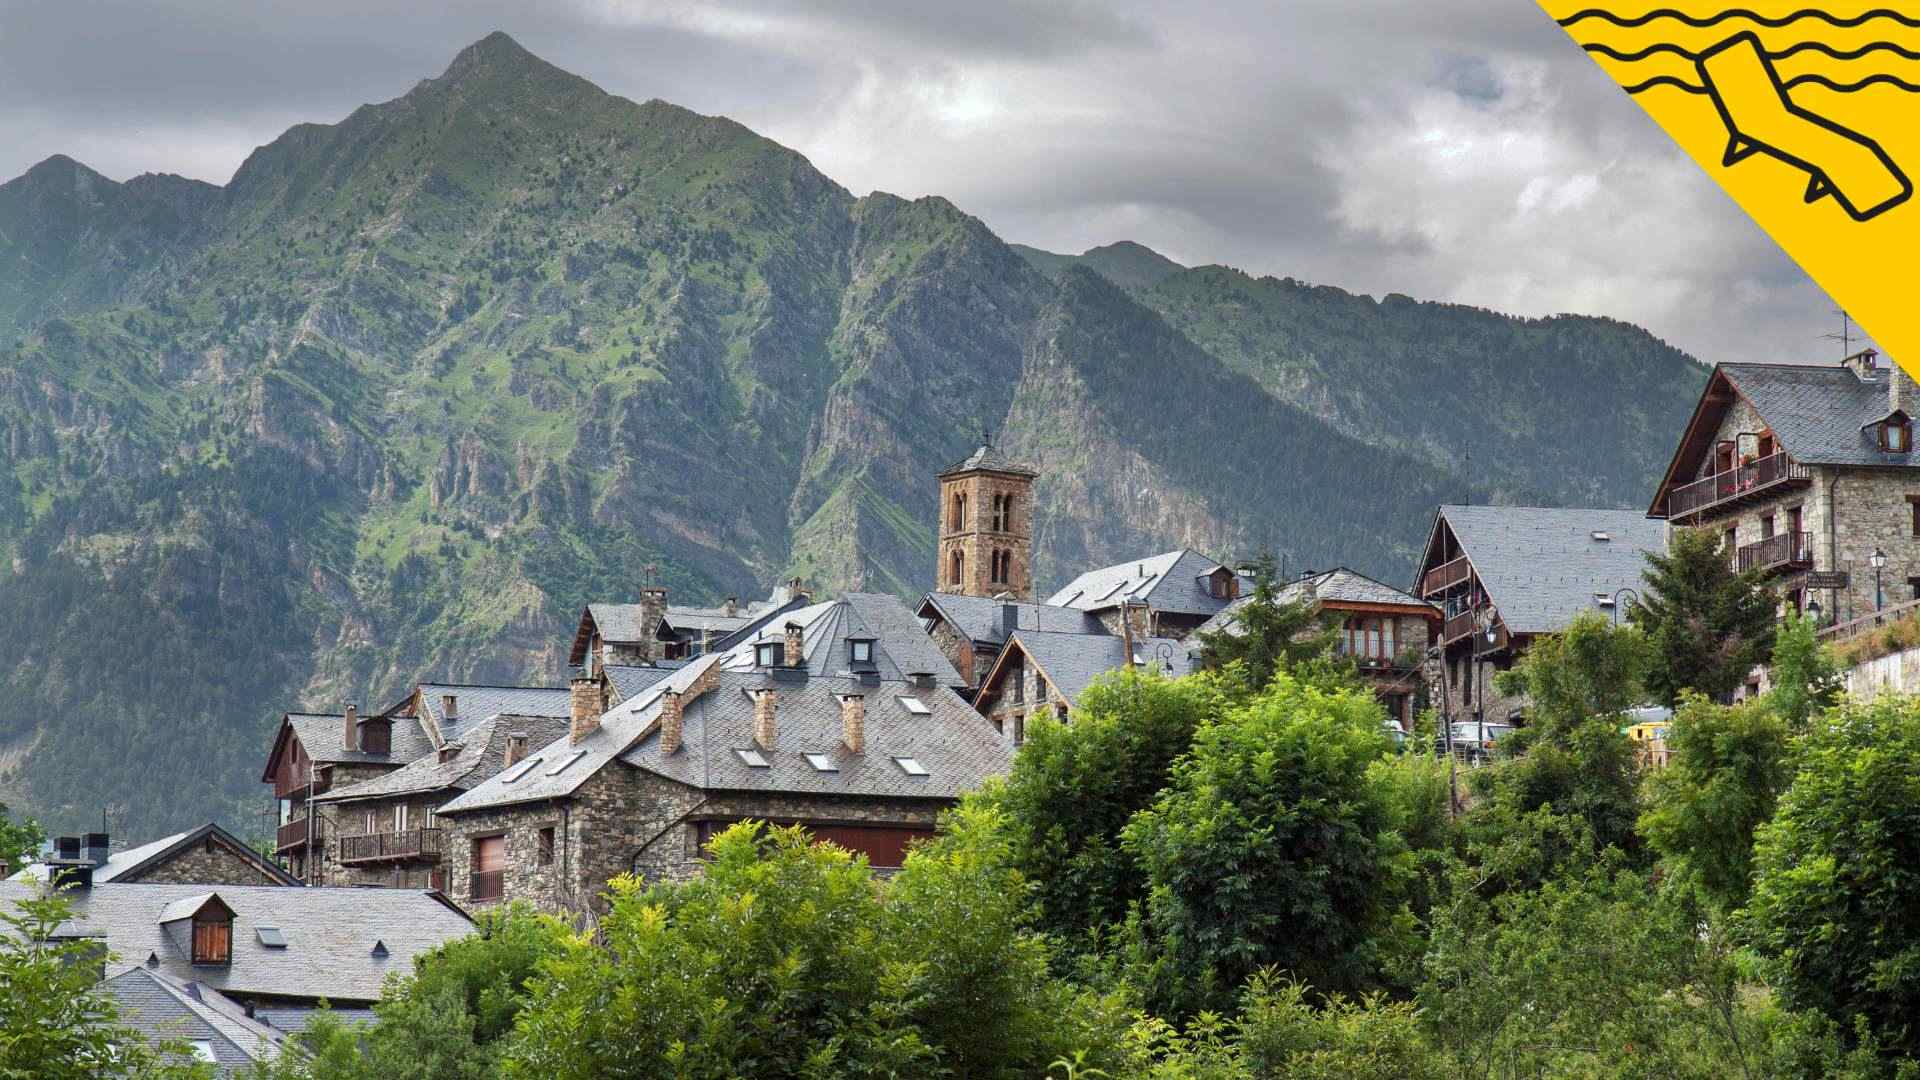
x,y
496,48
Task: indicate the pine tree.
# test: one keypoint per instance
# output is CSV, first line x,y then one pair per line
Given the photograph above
x,y
1268,634
1708,625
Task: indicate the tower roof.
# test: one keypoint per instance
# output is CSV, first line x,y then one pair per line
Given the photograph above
x,y
987,459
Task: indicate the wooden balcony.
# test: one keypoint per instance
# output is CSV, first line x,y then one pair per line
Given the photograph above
x,y
486,885
410,845
291,835
1781,551
1446,576
1687,503
1459,626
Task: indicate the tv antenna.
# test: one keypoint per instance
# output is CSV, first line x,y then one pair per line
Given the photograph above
x,y
1846,335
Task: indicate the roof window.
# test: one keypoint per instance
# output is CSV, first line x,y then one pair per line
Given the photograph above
x,y
519,770
202,1049
1601,599
822,763
753,759
271,937
563,766
1601,537
915,706
860,651
911,766
769,654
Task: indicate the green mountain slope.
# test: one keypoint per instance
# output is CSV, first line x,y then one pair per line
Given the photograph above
x,y
413,387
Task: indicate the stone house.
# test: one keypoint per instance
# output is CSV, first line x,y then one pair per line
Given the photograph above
x,y
829,721
1385,631
1166,596
1806,471
1043,671
653,631
970,631
1505,575
208,855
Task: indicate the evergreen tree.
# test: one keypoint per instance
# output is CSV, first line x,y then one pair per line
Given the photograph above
x,y
1709,625
1268,635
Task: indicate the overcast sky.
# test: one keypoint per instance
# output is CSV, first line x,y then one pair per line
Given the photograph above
x,y
1450,149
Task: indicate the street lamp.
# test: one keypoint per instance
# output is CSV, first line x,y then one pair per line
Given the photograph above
x,y
1813,611
1627,590
1878,560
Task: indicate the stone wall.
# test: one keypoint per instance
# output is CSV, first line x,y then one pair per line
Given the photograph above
x,y
976,539
958,649
207,862
1896,673
1469,683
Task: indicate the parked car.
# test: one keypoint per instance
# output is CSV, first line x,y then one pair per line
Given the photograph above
x,y
1474,739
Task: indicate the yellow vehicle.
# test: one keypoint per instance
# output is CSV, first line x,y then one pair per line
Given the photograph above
x,y
1654,732
1649,740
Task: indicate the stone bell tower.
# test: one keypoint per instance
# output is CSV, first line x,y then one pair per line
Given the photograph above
x,y
986,527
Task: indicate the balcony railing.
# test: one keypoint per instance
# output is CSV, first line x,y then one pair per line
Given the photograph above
x,y
1459,625
1446,576
1734,486
291,835
1788,550
487,885
384,846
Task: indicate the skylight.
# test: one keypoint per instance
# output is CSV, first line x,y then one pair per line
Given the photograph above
x,y
519,770
1600,537
570,759
753,759
911,766
1117,586
915,706
202,1049
271,937
1603,599
822,763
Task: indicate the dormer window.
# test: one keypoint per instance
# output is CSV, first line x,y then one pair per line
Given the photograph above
x,y
206,924
860,652
768,654
1896,434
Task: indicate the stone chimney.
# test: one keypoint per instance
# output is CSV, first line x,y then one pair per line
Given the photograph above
x,y
1865,364
350,729
653,609
707,638
1009,621
516,749
1899,390
1126,630
731,607
98,849
766,707
853,721
796,646
673,712
449,707
588,702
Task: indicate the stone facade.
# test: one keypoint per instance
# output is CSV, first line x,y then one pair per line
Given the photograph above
x,y
959,651
208,861
974,539
1467,683
340,820
1025,693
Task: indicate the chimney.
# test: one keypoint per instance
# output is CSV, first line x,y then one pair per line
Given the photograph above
x,y
587,703
853,721
920,680
449,707
516,749
1865,364
1009,620
350,728
653,609
731,607
672,722
97,848
766,704
796,646
1899,390
1126,632
707,638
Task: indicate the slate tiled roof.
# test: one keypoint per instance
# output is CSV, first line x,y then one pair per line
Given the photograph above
x,y
321,736
979,617
1336,586
1542,567
330,934
163,1007
482,753
1072,661
1168,582
473,704
134,861
986,459
630,680
956,745
902,646
1818,412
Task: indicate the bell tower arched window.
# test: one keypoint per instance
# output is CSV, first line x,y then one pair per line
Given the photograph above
x,y
958,576
959,511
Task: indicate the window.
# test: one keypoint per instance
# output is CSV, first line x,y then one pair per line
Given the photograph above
x,y
489,868
1039,688
271,937
202,1049
1766,527
565,762
911,766
959,510
1730,541
1019,729
1001,565
543,854
1913,505
915,706
821,763
860,650
399,817
1896,437
957,573
519,770
769,654
212,939
753,759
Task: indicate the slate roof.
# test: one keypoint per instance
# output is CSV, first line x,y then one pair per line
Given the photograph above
x,y
956,745
163,1007
628,680
330,934
1072,661
1167,582
979,617
901,644
1336,586
473,703
482,753
134,861
1542,566
320,737
1818,413
986,459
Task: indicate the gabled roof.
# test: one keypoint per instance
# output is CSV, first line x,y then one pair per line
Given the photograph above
x,y
1542,566
481,753
330,934
474,703
131,864
901,645
956,746
986,459
1169,582
321,735
1072,661
626,623
164,1008
979,618
1338,587
629,680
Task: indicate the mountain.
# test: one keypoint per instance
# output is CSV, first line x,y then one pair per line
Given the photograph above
x,y
413,387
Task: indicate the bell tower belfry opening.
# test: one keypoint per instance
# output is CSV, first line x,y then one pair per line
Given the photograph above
x,y
986,527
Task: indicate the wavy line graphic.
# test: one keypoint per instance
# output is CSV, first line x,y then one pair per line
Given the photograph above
x,y
1801,80
1636,21
1650,51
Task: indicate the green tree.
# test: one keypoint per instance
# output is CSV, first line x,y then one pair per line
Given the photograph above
x,y
1836,896
1729,765
1074,787
1805,679
1271,848
19,841
1265,634
1709,625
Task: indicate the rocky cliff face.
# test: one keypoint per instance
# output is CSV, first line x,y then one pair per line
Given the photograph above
x,y
415,386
